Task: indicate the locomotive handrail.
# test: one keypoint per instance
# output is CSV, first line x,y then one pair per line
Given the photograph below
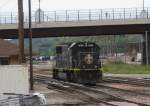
x,y
78,15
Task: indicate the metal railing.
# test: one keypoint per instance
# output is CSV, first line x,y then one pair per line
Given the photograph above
x,y
79,15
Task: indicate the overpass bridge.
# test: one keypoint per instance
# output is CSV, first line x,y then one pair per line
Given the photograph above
x,y
81,23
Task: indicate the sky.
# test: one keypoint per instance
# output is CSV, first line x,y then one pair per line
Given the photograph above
x,y
51,5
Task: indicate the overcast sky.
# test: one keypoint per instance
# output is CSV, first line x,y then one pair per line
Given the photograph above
x,y
50,5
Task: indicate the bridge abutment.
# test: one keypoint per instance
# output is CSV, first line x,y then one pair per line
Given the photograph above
x,y
146,48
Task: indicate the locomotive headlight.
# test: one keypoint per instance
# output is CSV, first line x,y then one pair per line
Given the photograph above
x,y
88,59
95,66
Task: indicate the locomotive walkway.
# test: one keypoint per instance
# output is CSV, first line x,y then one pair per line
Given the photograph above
x,y
79,23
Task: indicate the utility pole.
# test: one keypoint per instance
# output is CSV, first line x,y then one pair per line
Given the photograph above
x,y
21,31
30,46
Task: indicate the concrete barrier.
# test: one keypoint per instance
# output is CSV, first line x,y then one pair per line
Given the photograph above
x,y
14,79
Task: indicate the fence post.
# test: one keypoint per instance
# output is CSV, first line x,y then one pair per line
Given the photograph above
x,y
147,13
130,16
124,13
89,14
120,15
55,16
47,18
57,19
113,13
26,19
5,19
101,14
36,20
66,15
11,17
136,14
78,15
43,17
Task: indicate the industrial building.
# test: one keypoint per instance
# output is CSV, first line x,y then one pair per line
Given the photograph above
x,y
9,53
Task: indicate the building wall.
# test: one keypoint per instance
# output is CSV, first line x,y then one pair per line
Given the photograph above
x,y
134,48
14,79
14,60
11,60
4,60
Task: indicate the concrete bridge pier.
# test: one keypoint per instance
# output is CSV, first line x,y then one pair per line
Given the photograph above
x,y
146,48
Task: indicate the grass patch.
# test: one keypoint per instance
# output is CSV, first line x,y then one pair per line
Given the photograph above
x,y
122,68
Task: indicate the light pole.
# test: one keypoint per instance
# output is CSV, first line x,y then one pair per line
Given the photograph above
x,y
143,5
30,46
39,11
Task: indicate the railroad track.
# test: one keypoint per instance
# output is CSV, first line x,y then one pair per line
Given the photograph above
x,y
132,81
103,96
66,89
136,92
125,94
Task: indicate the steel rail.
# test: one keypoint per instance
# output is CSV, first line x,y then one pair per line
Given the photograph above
x,y
132,81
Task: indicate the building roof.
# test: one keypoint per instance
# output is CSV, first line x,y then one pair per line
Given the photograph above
x,y
8,49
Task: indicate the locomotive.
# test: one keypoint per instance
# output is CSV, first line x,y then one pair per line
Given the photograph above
x,y
78,62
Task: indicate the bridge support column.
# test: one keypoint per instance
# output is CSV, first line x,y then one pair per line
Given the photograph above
x,y
146,48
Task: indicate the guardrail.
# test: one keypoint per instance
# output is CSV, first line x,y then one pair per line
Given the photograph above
x,y
78,15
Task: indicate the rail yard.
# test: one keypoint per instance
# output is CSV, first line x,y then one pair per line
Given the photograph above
x,y
111,91
86,57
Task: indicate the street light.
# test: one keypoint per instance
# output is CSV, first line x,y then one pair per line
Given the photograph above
x,y
143,5
30,46
39,11
144,13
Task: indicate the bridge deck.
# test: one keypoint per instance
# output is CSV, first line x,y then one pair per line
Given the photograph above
x,y
79,23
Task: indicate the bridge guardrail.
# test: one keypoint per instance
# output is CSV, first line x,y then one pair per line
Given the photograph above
x,y
78,15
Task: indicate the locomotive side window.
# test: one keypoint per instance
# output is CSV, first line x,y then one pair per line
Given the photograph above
x,y
58,50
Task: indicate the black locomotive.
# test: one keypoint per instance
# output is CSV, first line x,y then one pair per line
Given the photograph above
x,y
78,62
